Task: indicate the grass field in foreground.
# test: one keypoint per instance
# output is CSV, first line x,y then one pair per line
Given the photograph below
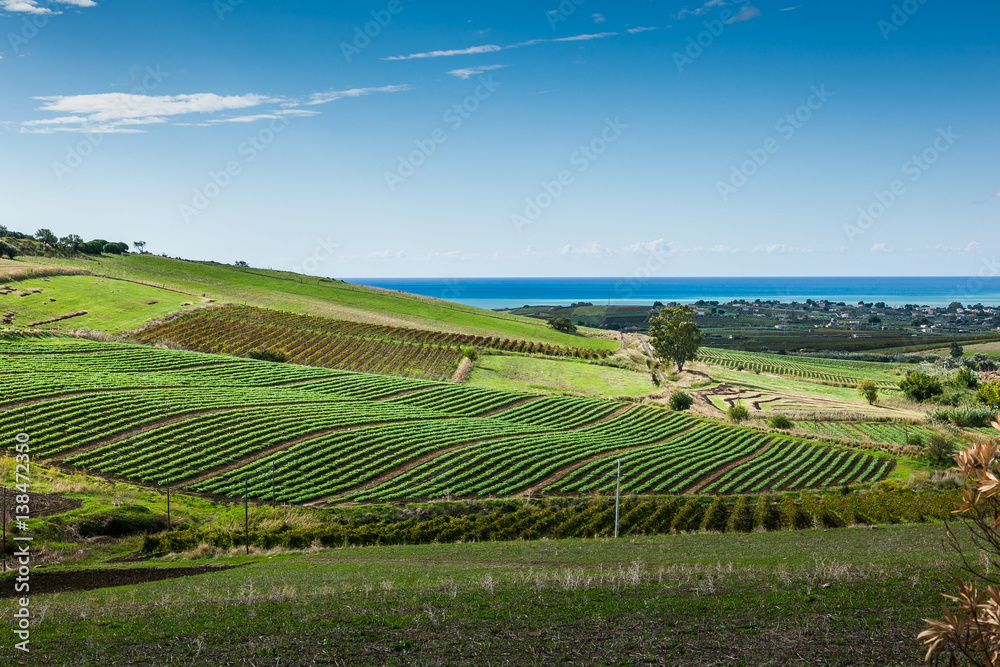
x,y
310,295
558,376
853,596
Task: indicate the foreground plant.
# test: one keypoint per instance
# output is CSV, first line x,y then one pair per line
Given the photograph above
x,y
971,632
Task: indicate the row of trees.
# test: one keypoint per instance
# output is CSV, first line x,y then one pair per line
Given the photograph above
x,y
44,241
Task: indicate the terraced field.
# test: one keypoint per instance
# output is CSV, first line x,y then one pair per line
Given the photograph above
x,y
329,343
893,433
225,426
824,371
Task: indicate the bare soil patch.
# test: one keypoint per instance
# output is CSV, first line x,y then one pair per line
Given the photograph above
x,y
88,580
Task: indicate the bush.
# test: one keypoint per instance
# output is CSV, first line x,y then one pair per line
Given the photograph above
x,y
680,401
119,522
967,417
715,516
470,353
780,422
920,386
939,448
263,354
989,395
738,413
764,516
741,519
966,378
563,324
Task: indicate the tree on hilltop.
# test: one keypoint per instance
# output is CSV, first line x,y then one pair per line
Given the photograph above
x,y
675,336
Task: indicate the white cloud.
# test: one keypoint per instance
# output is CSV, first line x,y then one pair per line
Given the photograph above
x,y
121,112
472,50
881,247
32,6
323,98
598,18
656,247
789,9
779,248
633,31
23,7
493,48
970,248
698,11
117,106
745,14
470,72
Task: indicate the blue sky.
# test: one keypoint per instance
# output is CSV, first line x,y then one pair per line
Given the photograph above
x,y
557,138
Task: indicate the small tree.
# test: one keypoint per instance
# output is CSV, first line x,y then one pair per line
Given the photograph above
x,y
989,395
470,353
939,448
780,422
47,238
140,246
241,264
10,251
563,324
738,413
921,386
869,390
956,351
675,336
680,401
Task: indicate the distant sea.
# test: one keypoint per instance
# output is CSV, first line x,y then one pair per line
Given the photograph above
x,y
499,293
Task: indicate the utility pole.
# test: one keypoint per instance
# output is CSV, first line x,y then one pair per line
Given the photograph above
x,y
246,512
618,494
5,528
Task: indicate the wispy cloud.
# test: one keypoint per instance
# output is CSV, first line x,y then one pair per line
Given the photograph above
x,y
469,72
881,247
970,248
789,9
745,14
598,18
472,50
493,48
633,31
780,248
122,112
333,95
698,11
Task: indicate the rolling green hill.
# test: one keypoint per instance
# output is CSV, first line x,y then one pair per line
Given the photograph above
x,y
279,290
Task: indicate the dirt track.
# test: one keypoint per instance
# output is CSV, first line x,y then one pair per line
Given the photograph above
x,y
86,580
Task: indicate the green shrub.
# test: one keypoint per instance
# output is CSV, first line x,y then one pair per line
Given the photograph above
x,y
792,515
966,378
780,422
939,448
119,522
964,417
920,386
680,401
687,518
470,353
262,354
715,516
764,516
989,395
741,518
738,413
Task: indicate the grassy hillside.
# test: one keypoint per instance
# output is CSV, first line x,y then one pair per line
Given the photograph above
x,y
88,301
301,294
